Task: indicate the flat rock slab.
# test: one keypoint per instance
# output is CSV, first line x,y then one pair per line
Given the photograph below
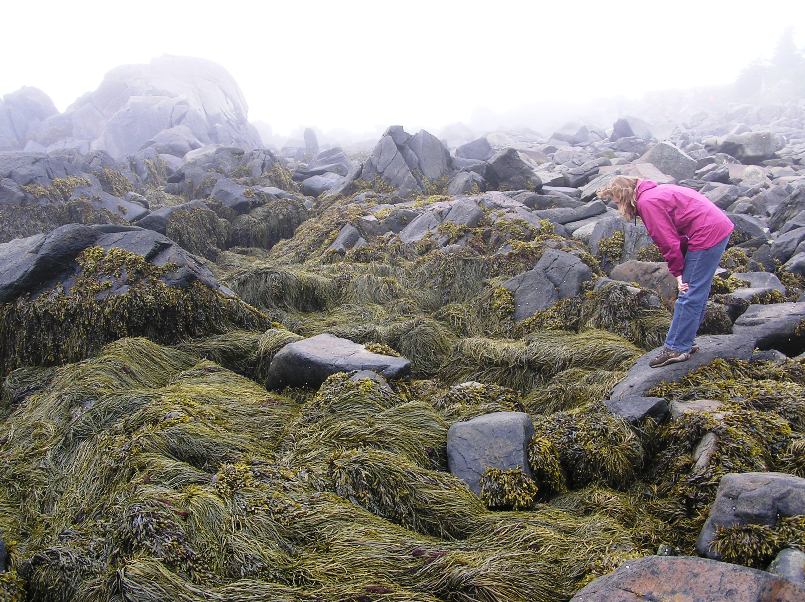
x,y
756,498
773,326
308,363
641,377
689,579
496,440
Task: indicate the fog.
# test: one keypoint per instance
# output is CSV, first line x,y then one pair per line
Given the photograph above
x,y
354,67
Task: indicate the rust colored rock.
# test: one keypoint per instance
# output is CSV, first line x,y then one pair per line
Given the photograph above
x,y
689,579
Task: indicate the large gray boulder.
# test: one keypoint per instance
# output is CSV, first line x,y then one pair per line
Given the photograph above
x,y
308,363
688,579
670,160
408,163
635,236
641,377
557,275
496,440
773,326
508,170
134,103
748,147
38,263
479,149
751,498
21,113
785,246
628,127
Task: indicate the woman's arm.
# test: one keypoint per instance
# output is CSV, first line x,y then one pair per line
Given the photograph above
x,y
663,232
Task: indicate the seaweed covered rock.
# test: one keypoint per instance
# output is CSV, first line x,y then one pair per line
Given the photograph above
x,y
557,275
307,363
498,440
67,293
751,518
638,409
647,274
686,578
641,377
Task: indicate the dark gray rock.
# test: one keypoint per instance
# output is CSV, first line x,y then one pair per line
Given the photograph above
x,y
30,264
348,238
308,363
796,264
3,556
38,263
637,409
398,219
10,192
790,202
478,149
557,275
689,579
509,171
316,185
785,246
773,326
466,182
670,160
641,378
653,275
746,228
566,215
765,280
232,195
464,212
420,226
497,440
789,564
749,147
751,498
158,220
628,127
723,195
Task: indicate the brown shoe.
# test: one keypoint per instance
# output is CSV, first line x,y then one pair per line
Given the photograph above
x,y
694,349
669,356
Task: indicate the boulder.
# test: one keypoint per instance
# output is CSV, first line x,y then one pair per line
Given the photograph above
x,y
641,378
748,147
316,185
670,160
134,103
509,171
789,564
420,226
762,280
496,440
21,114
348,238
158,220
637,409
465,182
751,498
653,275
566,215
311,143
688,579
774,326
786,245
479,149
746,228
628,127
557,275
407,162
233,195
722,195
635,236
308,363
38,263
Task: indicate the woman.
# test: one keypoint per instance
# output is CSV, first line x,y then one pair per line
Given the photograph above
x,y
692,234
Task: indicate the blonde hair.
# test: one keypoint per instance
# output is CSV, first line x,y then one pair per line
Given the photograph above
x,y
621,189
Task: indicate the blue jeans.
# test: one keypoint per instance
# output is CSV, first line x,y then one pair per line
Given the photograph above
x,y
700,267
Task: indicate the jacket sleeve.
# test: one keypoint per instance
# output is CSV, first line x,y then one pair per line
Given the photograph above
x,y
663,232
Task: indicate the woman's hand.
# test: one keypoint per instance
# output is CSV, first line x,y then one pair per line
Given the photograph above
x,y
682,286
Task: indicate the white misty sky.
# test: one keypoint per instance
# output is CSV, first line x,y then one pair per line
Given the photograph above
x,y
362,65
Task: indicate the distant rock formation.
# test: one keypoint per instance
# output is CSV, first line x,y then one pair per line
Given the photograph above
x,y
173,104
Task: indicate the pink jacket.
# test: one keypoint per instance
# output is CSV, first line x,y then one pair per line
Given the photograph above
x,y
675,215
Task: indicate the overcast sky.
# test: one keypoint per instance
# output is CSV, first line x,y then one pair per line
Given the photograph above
x,y
362,65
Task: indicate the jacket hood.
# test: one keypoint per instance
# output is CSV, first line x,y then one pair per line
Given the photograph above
x,y
643,185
